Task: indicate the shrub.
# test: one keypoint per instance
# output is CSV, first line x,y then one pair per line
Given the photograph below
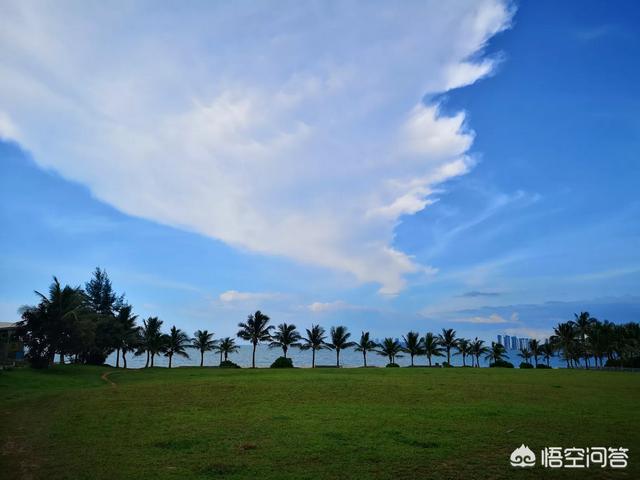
x,y
501,364
391,365
630,363
282,362
543,365
525,365
446,365
228,364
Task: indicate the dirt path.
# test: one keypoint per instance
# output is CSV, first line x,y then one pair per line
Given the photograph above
x,y
105,377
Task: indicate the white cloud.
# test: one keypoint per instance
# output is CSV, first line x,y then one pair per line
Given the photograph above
x,y
493,318
231,296
321,307
294,130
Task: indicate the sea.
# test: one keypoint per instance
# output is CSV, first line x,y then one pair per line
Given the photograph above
x,y
302,358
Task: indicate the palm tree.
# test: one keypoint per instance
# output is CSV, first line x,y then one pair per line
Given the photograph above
x,y
583,324
448,340
464,348
126,332
413,345
286,336
226,346
564,337
390,348
535,347
477,349
62,308
525,354
203,341
177,343
496,353
339,341
314,341
432,347
365,345
152,341
255,330
547,351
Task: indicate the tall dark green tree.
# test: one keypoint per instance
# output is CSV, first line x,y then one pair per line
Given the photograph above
x,y
203,342
478,349
390,348
496,353
285,336
412,344
365,345
448,340
432,346
226,346
177,343
256,329
125,332
464,348
152,341
339,341
314,341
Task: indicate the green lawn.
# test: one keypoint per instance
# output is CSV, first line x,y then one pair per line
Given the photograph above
x,y
295,424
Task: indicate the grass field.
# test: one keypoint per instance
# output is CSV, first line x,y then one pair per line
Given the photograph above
x,y
193,423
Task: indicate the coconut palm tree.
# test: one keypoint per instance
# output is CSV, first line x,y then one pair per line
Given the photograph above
x,y
464,348
547,351
365,345
583,323
477,349
525,354
432,347
339,341
226,346
535,347
448,340
126,328
564,338
496,353
314,341
255,330
204,342
412,344
130,343
152,341
176,344
390,348
286,336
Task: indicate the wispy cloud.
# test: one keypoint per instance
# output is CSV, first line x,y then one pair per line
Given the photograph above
x,y
493,318
291,130
234,296
477,293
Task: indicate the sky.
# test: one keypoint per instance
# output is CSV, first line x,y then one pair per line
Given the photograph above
x,y
383,165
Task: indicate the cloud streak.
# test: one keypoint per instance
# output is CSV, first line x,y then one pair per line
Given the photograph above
x,y
295,130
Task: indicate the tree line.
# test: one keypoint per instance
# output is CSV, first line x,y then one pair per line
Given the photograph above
x,y
86,325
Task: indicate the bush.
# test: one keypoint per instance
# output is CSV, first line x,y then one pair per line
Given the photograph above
x,y
282,362
228,364
617,362
525,365
446,365
391,365
543,365
501,364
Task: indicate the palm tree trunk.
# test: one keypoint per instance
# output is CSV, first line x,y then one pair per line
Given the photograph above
x,y
449,355
464,361
124,359
253,358
118,357
146,365
337,357
170,358
152,356
412,359
313,358
364,355
226,356
61,358
201,358
221,356
429,357
284,349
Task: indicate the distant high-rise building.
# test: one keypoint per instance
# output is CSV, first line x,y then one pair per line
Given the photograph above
x,y
506,343
500,339
514,343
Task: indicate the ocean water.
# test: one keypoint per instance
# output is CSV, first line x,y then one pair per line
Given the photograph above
x,y
302,358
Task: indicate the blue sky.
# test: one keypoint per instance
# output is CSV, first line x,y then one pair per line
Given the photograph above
x,y
472,165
